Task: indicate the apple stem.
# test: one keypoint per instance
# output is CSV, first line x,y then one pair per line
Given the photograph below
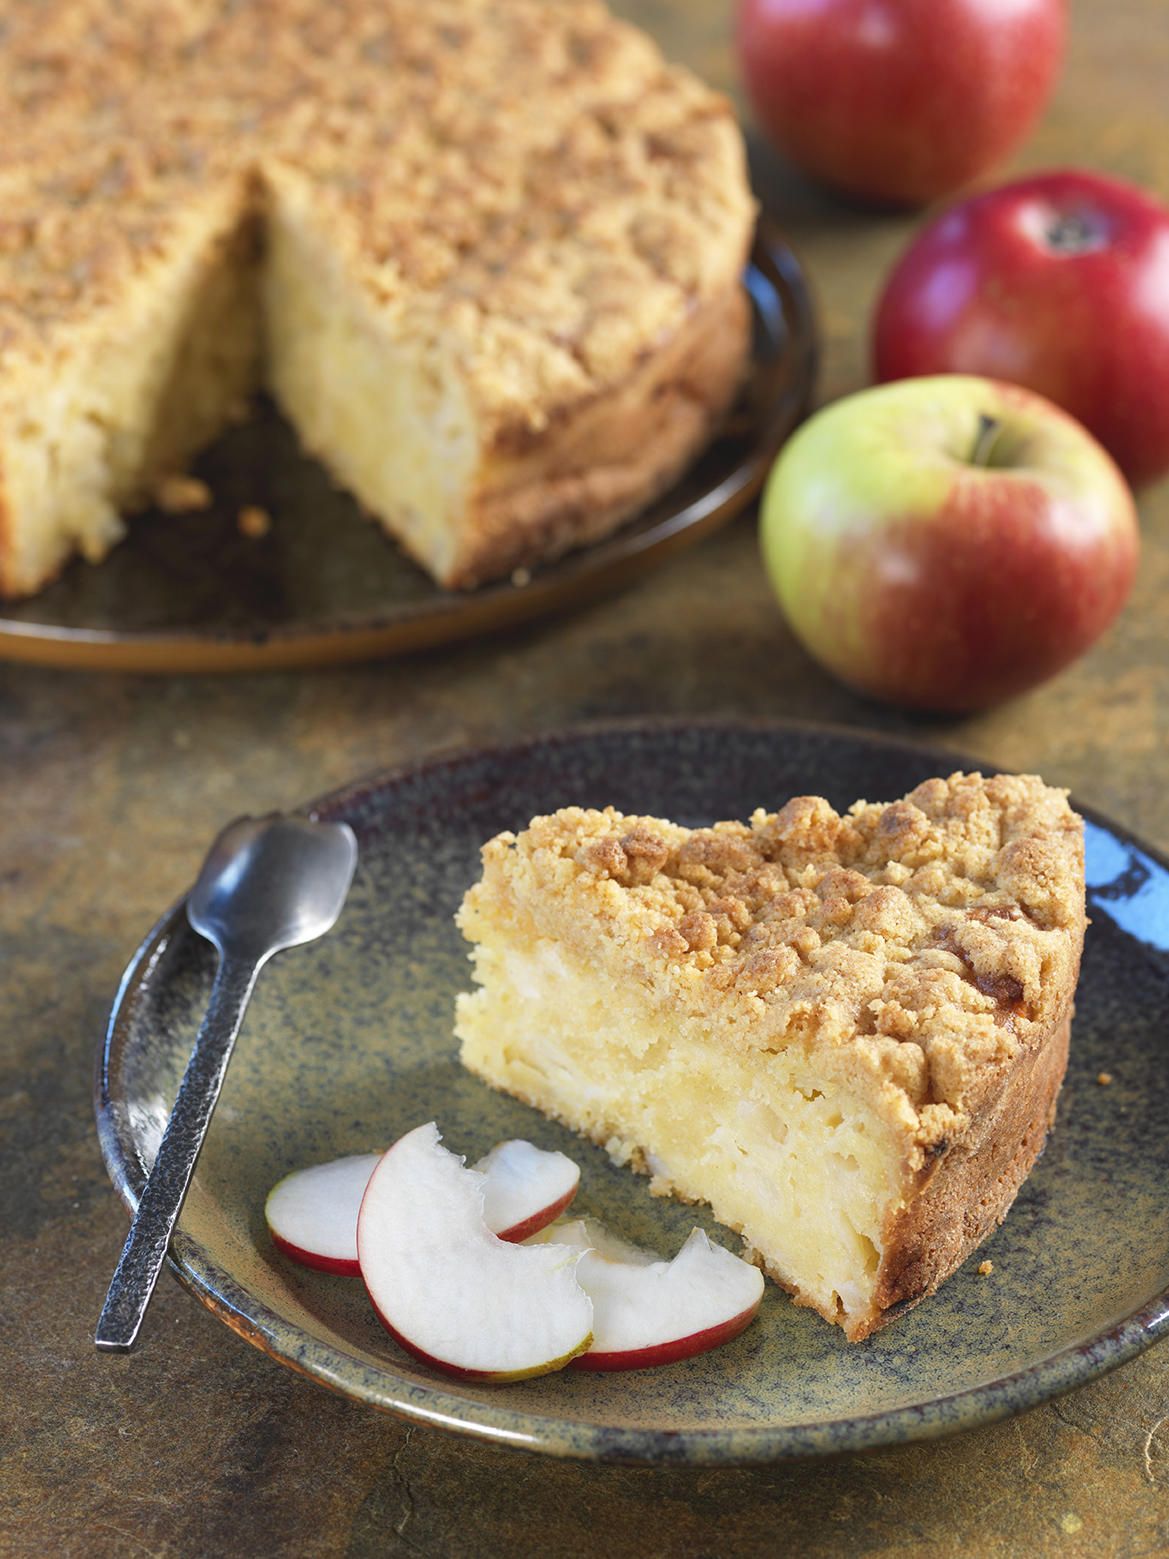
x,y
989,429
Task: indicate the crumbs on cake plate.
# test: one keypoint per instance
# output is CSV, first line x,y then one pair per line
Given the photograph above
x,y
254,522
179,494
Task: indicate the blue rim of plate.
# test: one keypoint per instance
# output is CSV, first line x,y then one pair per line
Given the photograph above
x,y
435,1407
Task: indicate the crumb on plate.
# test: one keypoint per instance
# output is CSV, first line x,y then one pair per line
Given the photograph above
x,y
182,494
254,522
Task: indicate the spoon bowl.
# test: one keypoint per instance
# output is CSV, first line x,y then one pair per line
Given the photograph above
x,y
270,883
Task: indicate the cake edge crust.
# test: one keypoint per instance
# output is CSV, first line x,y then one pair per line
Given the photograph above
x,y
970,1184
604,460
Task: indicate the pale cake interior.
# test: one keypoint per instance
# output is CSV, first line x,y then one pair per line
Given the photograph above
x,y
798,1164
246,289
90,433
384,410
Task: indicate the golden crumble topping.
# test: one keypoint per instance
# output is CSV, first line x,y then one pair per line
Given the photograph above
x,y
933,938
529,178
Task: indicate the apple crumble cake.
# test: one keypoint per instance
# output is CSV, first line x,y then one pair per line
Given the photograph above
x,y
485,254
845,1033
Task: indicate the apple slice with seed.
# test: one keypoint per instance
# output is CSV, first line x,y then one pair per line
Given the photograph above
x,y
448,1290
312,1213
647,1311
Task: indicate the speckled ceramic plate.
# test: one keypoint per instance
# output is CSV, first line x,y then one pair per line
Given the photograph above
x,y
189,593
348,1043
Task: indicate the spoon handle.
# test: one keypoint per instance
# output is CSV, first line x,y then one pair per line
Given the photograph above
x,y
162,1196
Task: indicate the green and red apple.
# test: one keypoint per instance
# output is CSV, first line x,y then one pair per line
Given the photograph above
x,y
947,542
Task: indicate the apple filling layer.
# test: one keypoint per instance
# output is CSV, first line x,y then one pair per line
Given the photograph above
x,y
794,1162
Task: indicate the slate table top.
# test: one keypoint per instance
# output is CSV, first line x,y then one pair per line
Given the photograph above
x,y
113,785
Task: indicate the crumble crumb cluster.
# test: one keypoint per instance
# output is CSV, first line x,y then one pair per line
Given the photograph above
x,y
182,495
937,936
253,522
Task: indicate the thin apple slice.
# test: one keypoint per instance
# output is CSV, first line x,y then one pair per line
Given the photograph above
x,y
527,1187
312,1213
647,1311
448,1290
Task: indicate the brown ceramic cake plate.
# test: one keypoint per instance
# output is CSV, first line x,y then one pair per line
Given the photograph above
x,y
324,586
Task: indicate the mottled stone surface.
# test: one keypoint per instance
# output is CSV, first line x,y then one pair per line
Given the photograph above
x,y
197,1444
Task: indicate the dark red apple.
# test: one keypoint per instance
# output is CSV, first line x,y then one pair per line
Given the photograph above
x,y
899,100
1058,282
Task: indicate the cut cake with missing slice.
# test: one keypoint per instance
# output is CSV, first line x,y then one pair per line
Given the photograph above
x,y
486,255
845,1033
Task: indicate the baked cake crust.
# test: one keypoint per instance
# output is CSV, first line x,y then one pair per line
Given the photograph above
x,y
522,192
924,954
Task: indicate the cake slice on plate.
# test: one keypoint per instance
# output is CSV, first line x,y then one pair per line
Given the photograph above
x,y
844,1033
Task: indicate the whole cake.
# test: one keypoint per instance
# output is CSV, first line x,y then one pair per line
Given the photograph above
x,y
486,255
845,1033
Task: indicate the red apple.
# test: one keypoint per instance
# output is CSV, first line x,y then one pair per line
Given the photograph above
x,y
899,100
1058,282
945,543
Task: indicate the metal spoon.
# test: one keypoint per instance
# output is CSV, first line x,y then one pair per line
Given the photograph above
x,y
267,884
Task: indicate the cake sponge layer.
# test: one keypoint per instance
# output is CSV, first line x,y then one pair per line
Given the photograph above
x,y
87,432
802,1168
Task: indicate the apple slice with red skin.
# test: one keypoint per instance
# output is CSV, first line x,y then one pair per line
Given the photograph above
x,y
448,1290
527,1187
312,1213
647,1311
